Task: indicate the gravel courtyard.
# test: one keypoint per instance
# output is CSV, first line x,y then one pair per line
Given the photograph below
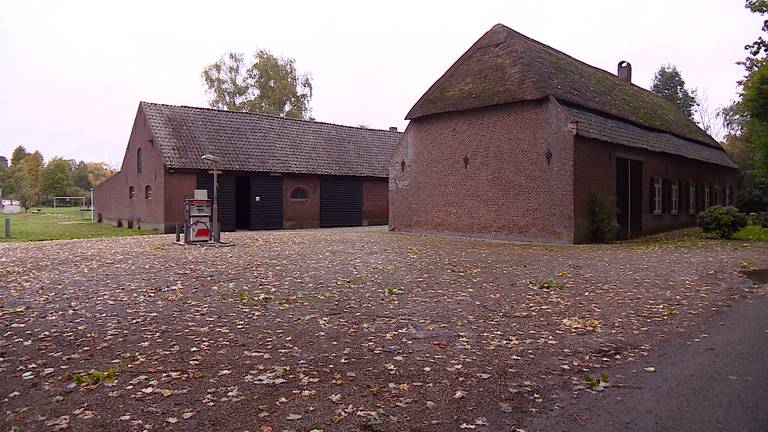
x,y
336,330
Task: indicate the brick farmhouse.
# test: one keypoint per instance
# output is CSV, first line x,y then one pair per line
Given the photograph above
x,y
277,172
516,139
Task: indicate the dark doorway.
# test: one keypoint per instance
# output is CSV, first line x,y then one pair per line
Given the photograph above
x,y
629,199
341,201
266,211
243,202
226,197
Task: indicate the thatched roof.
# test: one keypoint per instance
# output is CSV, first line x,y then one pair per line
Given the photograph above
x,y
505,66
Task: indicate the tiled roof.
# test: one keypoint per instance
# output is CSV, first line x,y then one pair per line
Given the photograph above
x,y
263,143
505,66
593,125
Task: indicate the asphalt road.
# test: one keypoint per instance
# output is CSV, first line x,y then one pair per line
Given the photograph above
x,y
718,383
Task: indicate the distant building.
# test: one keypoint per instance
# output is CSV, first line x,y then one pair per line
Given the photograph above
x,y
277,172
516,138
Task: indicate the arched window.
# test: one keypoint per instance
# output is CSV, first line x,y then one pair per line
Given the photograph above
x,y
147,192
299,194
131,193
138,160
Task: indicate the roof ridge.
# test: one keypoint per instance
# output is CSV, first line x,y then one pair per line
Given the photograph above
x,y
269,116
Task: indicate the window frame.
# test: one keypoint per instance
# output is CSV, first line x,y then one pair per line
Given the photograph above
x,y
707,196
139,161
657,198
296,189
131,193
148,192
674,196
728,196
692,197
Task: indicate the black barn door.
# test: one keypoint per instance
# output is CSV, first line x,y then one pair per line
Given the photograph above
x,y
226,198
266,202
629,190
635,198
243,202
341,201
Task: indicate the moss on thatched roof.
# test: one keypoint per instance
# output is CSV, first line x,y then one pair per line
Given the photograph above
x,y
505,66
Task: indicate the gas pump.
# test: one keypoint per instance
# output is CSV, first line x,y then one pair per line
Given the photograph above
x,y
199,218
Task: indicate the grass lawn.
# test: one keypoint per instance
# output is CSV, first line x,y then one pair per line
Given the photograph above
x,y
65,224
752,232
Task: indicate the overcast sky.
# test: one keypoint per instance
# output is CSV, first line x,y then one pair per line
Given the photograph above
x,y
72,73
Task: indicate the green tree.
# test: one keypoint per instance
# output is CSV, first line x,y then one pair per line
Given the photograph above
x,y
268,84
21,180
752,189
669,84
18,185
3,173
34,164
758,49
746,121
57,177
19,153
80,177
98,172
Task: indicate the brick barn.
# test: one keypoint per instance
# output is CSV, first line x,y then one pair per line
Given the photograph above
x,y
277,172
516,137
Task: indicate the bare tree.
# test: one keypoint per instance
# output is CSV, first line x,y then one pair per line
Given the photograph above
x,y
710,118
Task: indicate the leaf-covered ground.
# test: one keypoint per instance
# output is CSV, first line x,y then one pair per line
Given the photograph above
x,y
335,330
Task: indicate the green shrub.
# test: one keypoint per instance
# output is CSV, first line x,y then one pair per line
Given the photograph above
x,y
721,221
759,219
603,226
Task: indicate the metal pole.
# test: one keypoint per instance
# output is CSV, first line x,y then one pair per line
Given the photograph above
x,y
215,203
93,209
7,228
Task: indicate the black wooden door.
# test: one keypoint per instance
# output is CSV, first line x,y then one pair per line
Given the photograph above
x,y
629,190
266,202
635,198
623,216
243,202
226,198
341,201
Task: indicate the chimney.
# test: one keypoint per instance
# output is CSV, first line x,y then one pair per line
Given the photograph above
x,y
625,71
393,128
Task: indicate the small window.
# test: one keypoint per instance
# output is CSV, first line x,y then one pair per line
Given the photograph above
x,y
138,160
674,195
147,192
131,193
657,195
728,196
706,196
299,194
692,197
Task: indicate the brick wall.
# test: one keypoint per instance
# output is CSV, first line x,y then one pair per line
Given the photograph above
x,y
595,170
375,201
111,198
301,214
506,190
178,187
